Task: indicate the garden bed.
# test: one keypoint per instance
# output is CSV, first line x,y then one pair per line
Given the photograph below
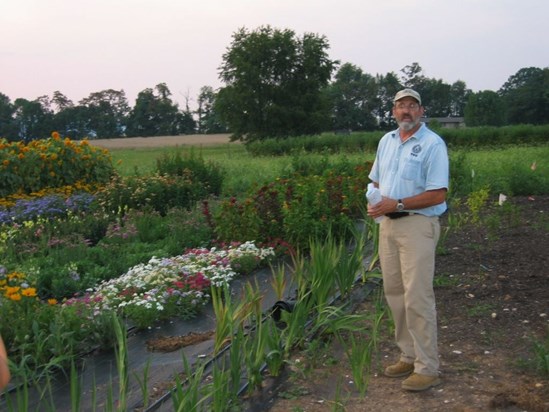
x,y
492,296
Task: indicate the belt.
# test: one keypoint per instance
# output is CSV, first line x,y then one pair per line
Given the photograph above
x,y
398,215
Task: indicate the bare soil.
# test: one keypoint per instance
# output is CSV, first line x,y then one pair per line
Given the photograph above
x,y
493,304
163,141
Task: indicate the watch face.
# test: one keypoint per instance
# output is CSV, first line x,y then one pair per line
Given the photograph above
x,y
400,207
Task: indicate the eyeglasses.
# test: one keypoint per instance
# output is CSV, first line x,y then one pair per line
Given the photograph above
x,y
411,106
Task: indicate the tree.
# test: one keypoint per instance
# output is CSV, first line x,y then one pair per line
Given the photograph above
x,y
413,77
8,128
387,87
440,99
459,94
526,96
156,114
484,108
106,112
274,83
353,99
208,118
436,98
33,119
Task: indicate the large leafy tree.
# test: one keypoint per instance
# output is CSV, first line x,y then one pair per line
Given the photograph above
x,y
353,96
156,114
33,118
70,120
274,82
526,96
106,112
484,108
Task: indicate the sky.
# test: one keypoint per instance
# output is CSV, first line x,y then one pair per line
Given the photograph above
x,y
83,47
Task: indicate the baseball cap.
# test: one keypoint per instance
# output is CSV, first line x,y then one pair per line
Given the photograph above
x,y
407,93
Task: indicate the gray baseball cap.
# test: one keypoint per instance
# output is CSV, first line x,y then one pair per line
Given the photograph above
x,y
407,93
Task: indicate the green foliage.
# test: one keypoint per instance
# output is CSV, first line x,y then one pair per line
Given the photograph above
x,y
541,350
294,209
484,108
156,192
105,113
324,143
354,97
180,182
51,335
195,168
155,114
273,84
487,137
476,203
526,96
514,171
490,136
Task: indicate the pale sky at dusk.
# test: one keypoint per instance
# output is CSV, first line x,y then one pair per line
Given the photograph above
x,y
81,47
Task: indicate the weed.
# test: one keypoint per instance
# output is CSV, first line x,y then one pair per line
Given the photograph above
x,y
480,310
541,350
445,280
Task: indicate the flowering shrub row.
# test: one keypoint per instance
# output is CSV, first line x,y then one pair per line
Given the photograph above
x,y
294,209
49,206
163,288
178,286
52,162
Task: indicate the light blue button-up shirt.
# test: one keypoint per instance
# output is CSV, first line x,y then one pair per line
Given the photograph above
x,y
413,167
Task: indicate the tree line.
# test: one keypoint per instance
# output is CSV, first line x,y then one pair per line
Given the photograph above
x,y
277,84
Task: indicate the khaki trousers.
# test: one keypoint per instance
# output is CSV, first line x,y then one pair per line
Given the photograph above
x,y
407,256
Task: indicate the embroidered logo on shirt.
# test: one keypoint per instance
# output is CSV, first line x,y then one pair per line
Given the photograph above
x,y
415,150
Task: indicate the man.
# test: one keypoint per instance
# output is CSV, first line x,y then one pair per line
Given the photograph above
x,y
411,171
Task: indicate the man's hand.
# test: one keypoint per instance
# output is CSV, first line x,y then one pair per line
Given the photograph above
x,y
387,205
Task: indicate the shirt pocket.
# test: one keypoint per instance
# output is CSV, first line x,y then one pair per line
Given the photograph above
x,y
412,169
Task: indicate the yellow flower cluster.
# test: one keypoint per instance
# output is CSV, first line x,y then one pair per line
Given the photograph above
x,y
53,162
13,287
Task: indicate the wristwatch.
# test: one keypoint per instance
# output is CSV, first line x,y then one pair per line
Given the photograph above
x,y
400,205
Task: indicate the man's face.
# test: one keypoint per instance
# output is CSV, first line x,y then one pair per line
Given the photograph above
x,y
407,113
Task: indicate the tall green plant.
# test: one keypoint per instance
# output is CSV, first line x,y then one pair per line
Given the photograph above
x,y
192,166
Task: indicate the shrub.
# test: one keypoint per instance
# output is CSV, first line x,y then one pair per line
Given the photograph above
x,y
52,162
294,209
193,167
156,193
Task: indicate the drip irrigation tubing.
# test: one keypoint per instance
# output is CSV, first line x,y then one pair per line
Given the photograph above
x,y
371,284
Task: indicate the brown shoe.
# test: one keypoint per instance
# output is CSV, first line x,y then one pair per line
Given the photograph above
x,y
399,369
418,382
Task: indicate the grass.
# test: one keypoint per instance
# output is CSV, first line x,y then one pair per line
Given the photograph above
x,y
504,170
243,170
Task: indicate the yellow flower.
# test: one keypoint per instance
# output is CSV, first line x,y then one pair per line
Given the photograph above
x,y
29,292
52,301
15,297
55,135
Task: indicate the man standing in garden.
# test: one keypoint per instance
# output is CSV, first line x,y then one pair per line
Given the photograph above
x,y
411,170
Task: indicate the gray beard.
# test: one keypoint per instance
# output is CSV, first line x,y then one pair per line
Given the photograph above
x,y
407,126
